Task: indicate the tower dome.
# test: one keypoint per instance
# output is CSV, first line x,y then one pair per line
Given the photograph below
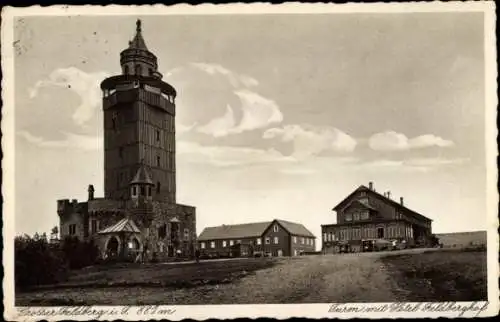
x,y
137,59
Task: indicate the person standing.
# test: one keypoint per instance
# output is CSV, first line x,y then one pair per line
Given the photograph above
x,y
197,255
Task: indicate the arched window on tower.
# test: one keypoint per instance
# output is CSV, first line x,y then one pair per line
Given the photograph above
x,y
138,69
151,72
125,70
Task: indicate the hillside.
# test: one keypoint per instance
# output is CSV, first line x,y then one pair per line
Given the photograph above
x,y
463,238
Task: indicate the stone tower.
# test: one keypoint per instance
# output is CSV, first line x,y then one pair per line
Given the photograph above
x,y
139,125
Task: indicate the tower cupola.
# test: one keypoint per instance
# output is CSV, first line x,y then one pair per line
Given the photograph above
x,y
137,60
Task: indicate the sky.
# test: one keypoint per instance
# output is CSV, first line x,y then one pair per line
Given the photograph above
x,y
278,116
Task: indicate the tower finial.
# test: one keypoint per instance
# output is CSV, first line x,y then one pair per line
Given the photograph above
x,y
138,24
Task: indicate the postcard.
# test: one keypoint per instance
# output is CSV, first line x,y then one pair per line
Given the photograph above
x,y
250,160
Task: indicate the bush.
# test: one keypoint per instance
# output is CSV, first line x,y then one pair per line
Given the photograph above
x,y
79,254
38,262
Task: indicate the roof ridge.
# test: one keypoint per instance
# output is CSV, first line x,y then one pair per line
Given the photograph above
x,y
250,223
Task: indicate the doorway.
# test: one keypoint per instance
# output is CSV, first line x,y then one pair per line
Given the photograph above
x,y
380,232
112,247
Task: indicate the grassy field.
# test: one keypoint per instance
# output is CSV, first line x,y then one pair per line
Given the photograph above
x,y
451,275
412,275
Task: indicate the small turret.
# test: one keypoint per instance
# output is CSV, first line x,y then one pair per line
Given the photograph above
x,y
140,186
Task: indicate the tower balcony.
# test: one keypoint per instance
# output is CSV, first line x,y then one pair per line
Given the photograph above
x,y
147,94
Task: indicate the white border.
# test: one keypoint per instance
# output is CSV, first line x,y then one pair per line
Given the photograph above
x,y
233,311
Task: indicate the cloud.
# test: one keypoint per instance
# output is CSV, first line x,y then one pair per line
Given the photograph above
x,y
236,108
309,140
71,141
429,140
181,128
85,85
220,126
257,112
418,164
393,141
235,79
226,156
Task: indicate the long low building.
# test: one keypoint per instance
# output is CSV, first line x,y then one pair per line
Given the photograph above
x,y
271,238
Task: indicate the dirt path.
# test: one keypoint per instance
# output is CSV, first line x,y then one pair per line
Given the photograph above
x,y
311,279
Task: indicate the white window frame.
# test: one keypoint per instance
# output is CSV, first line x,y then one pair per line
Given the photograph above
x,y
259,241
348,217
276,240
268,240
224,243
231,242
202,245
212,244
303,241
275,228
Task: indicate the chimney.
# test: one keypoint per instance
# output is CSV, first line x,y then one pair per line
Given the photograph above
x,y
389,194
401,201
91,192
370,185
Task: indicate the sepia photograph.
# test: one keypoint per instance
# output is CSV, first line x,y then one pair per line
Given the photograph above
x,y
171,159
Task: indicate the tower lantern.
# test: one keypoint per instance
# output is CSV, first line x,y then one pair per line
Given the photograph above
x,y
137,59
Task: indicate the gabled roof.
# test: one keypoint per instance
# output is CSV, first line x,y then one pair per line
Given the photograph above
x,y
142,176
123,226
138,42
234,231
381,197
363,203
295,229
251,230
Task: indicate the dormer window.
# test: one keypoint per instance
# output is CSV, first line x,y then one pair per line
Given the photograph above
x,y
275,228
149,191
348,217
134,191
143,191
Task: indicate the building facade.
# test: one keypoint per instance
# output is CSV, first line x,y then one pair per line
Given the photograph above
x,y
274,238
366,217
139,214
